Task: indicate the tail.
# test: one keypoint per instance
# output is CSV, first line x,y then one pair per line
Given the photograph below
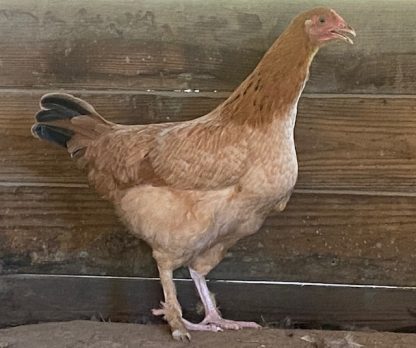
x,y
69,122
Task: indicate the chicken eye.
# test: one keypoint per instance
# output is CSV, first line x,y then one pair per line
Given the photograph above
x,y
322,19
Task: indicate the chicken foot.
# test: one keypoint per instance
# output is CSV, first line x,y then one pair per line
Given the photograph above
x,y
212,314
171,309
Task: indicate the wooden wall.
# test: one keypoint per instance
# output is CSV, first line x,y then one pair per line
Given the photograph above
x,y
352,218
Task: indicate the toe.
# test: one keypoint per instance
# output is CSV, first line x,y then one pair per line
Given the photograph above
x,y
249,324
158,311
161,310
230,325
215,328
201,326
180,335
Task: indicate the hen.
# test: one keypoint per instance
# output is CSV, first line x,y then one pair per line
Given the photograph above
x,y
192,189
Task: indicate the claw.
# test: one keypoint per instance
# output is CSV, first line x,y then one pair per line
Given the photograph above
x,y
178,335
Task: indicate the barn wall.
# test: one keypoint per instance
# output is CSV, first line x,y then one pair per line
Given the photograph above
x,y
352,217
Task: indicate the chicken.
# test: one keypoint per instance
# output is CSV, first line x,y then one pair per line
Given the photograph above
x,y
192,189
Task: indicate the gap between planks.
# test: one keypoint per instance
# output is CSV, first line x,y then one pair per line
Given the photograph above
x,y
224,281
299,191
190,93
29,298
207,94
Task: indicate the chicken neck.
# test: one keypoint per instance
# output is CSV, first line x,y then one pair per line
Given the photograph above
x,y
272,90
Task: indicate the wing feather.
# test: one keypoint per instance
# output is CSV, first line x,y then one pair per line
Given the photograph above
x,y
202,157
187,156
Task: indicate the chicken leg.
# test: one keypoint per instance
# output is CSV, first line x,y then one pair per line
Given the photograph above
x,y
212,314
172,312
171,309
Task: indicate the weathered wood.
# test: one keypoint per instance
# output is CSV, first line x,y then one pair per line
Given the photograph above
x,y
26,159
357,144
343,143
66,230
353,144
319,238
29,299
195,44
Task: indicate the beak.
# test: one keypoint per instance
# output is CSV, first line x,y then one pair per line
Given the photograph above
x,y
344,32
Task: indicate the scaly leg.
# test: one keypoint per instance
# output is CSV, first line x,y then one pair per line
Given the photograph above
x,y
171,309
172,312
212,315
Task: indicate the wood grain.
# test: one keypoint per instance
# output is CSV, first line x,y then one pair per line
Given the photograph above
x,y
26,159
30,299
319,238
352,219
66,231
202,45
366,144
343,143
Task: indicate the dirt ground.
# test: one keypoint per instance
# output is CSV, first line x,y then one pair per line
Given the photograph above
x,y
82,334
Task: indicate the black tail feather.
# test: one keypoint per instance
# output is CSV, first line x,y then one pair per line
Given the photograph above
x,y
52,134
55,124
65,103
54,115
59,107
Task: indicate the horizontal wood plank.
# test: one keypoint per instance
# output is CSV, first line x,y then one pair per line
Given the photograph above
x,y
357,144
203,45
343,143
346,144
28,299
25,159
319,238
